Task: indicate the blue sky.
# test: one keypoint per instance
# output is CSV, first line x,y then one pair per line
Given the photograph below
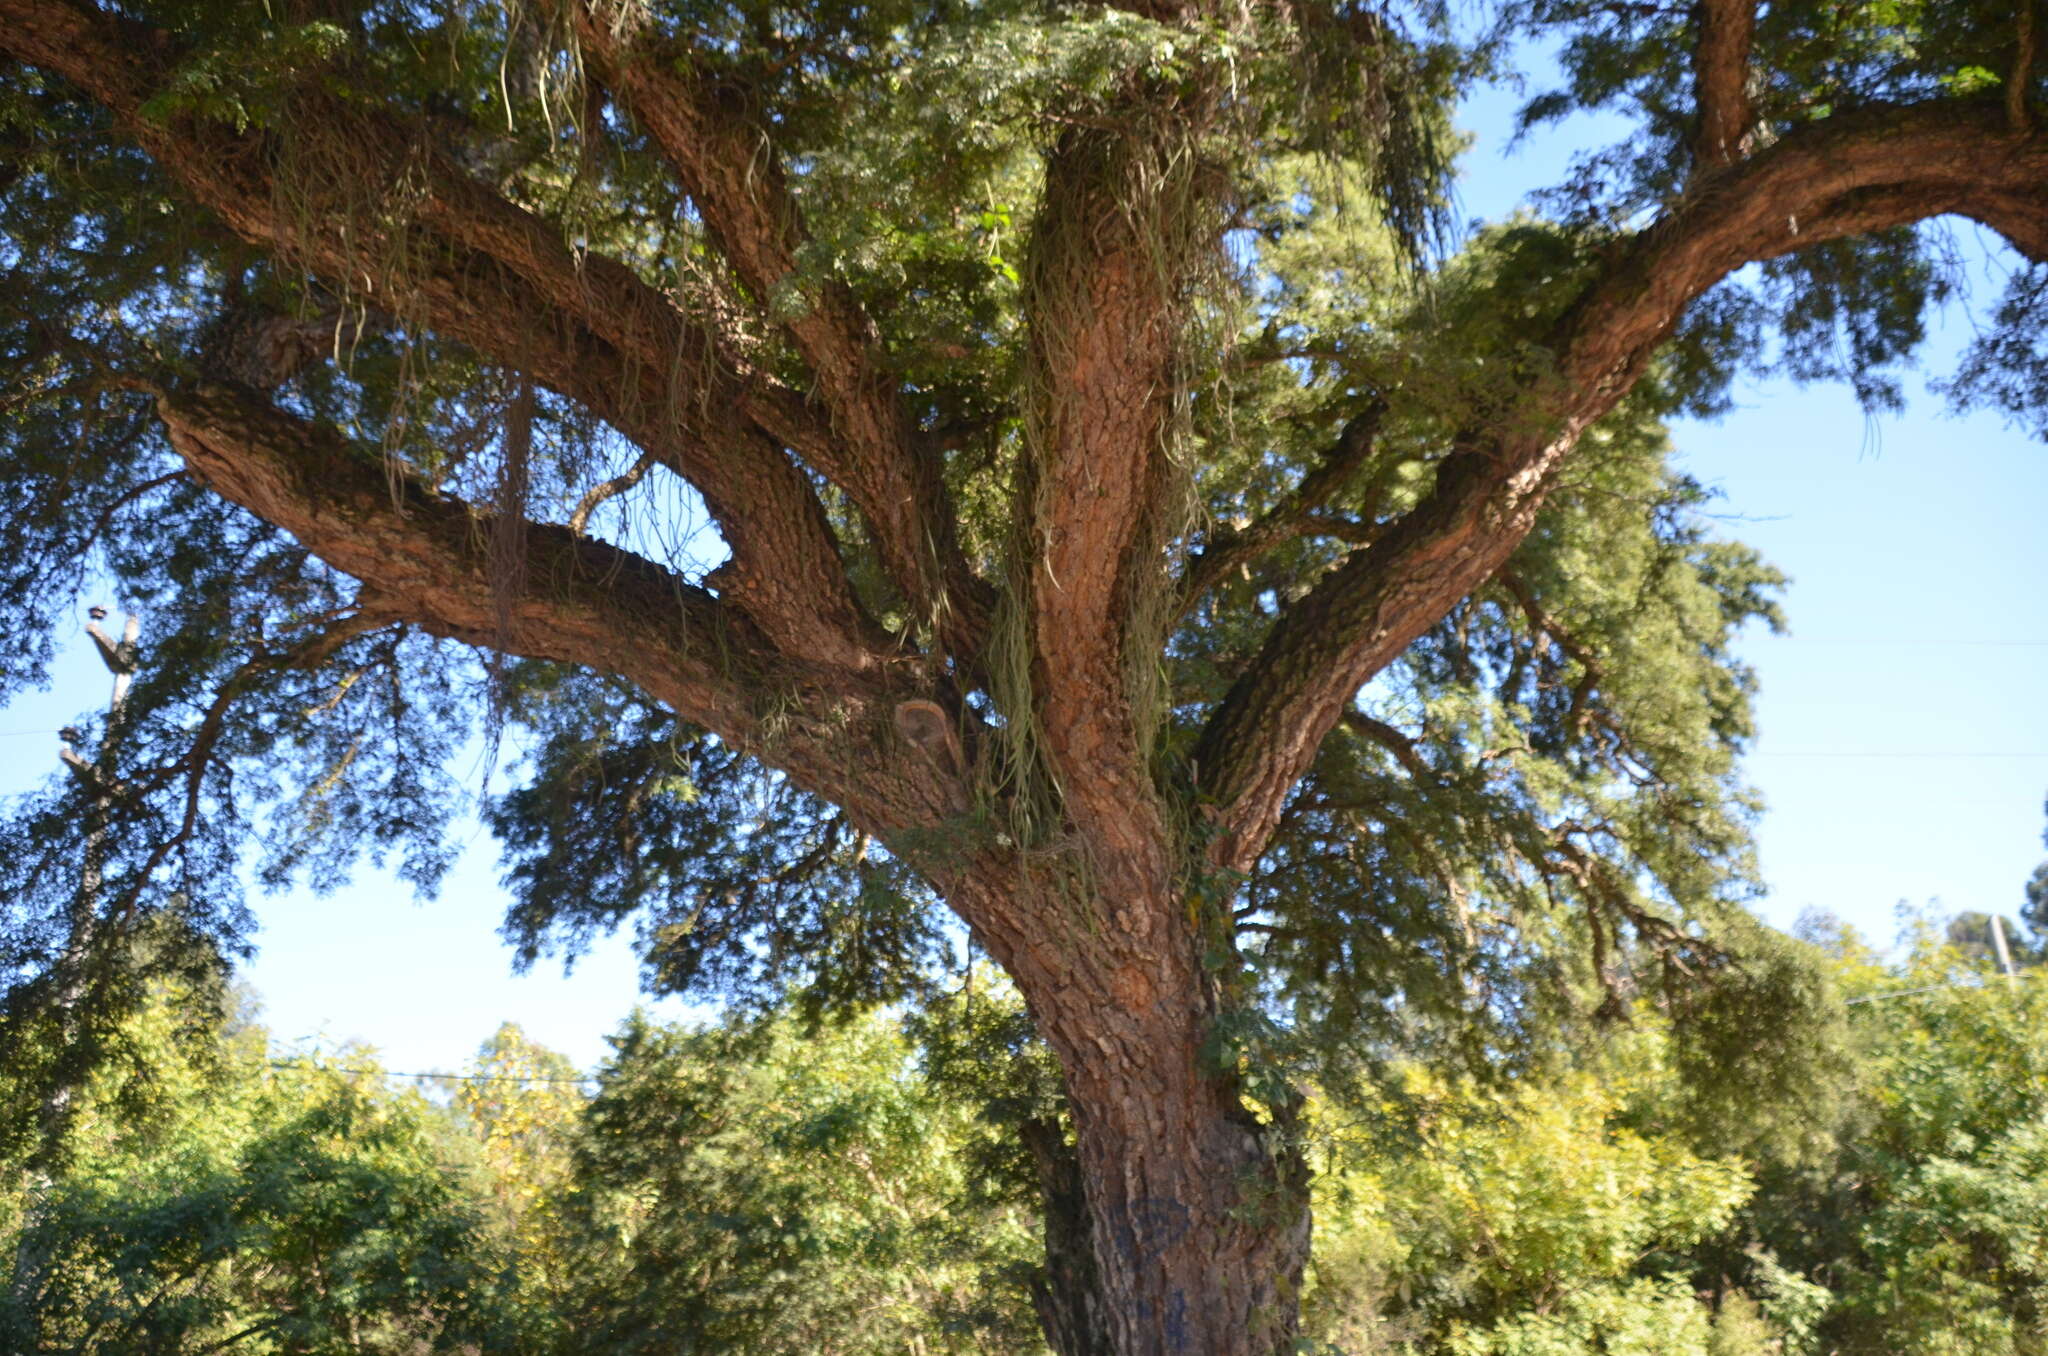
x,y
1903,733
1903,748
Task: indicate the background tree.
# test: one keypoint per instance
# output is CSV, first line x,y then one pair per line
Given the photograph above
x,y
752,1189
1925,1222
248,1205
521,1103
1129,515
1975,935
765,1185
2036,909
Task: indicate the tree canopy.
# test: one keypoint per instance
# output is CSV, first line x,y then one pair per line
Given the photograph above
x,y
1051,481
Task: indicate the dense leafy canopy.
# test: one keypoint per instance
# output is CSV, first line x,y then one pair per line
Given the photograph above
x,y
1060,464
1565,737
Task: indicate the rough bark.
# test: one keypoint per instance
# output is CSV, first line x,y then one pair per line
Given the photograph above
x,y
1721,79
726,164
1105,297
1197,1207
1068,1296
423,560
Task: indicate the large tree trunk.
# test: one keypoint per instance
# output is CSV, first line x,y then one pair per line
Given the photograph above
x,y
1196,1205
1199,1218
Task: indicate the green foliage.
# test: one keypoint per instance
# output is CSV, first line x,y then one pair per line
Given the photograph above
x,y
2005,367
736,1188
1534,1221
763,1187
744,1189
1576,1212
977,1046
249,83
1927,1222
742,885
521,1105
287,1207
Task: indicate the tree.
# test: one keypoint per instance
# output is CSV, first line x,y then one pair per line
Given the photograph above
x,y
1131,516
219,1199
1977,935
2035,911
521,1102
742,1188
1489,1235
1925,1220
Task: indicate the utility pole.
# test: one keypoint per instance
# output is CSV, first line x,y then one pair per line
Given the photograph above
x,y
2012,977
95,777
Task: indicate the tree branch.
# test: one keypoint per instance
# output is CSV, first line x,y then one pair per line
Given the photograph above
x,y
1863,171
1721,80
1225,555
424,559
198,758
1544,625
124,499
2019,85
609,489
704,128
1111,250
500,279
1393,741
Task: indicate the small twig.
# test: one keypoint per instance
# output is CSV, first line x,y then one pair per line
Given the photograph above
x,y
126,498
1400,745
2017,115
617,485
1540,621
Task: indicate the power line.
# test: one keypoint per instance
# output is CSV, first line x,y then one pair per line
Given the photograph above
x,y
304,1066
1894,753
1929,988
1902,993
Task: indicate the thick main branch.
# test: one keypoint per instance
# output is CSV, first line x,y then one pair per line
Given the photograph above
x,y
1111,252
1860,172
423,559
492,275
710,134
